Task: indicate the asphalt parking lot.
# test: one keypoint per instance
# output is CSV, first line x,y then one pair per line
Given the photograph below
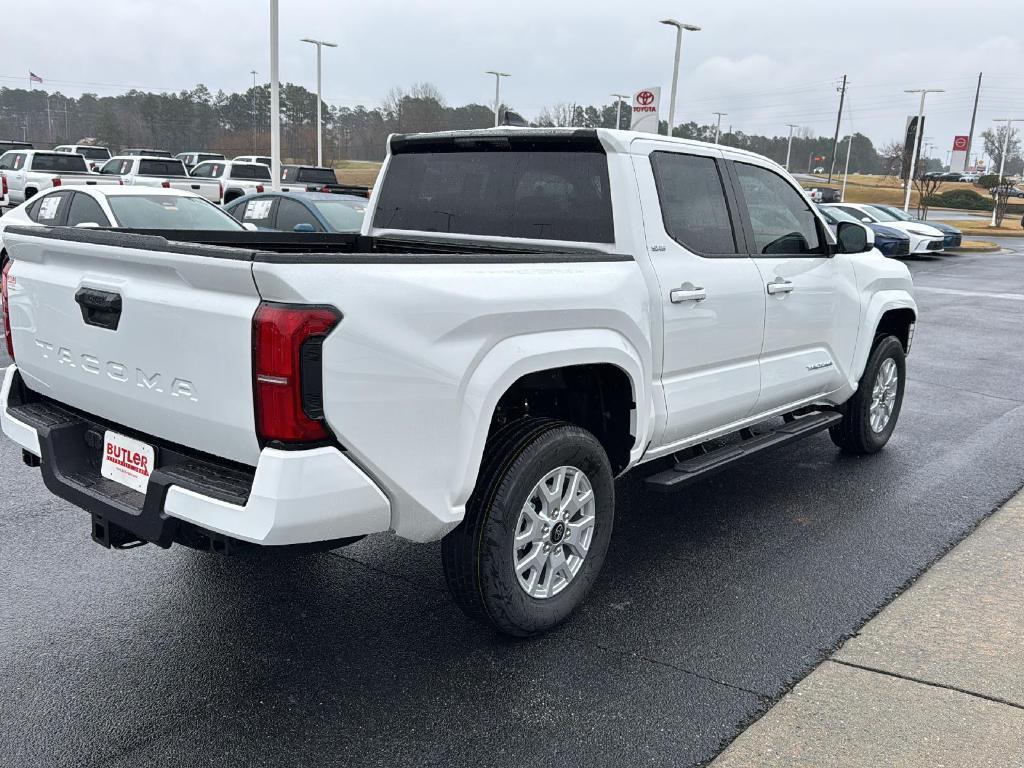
x,y
714,601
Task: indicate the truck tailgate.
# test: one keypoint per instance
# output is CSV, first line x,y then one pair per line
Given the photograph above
x,y
208,189
175,361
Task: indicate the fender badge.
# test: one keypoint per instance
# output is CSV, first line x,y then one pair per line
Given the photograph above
x,y
819,366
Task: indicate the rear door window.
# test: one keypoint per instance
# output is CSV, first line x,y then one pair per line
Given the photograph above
x,y
694,209
50,210
529,188
258,210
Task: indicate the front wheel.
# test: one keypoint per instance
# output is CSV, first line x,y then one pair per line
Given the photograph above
x,y
870,416
536,530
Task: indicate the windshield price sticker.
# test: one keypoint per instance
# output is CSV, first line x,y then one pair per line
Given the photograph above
x,y
49,207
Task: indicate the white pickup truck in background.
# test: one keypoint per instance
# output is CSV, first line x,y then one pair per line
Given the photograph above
x,y
28,172
166,172
477,366
94,156
235,178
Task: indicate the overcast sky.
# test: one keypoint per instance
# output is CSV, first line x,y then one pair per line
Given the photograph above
x,y
765,62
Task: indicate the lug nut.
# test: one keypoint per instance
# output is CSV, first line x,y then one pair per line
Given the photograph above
x,y
547,547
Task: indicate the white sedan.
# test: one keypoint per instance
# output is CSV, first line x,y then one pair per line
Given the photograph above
x,y
923,238
125,207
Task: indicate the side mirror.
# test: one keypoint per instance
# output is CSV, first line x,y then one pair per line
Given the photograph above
x,y
853,238
250,226
304,227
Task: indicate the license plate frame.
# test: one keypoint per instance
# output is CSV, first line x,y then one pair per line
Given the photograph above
x,y
127,461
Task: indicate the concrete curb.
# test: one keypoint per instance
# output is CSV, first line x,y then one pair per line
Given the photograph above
x,y
936,679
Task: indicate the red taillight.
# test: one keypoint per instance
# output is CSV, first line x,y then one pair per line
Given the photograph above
x,y
8,337
288,380
56,181
259,188
165,184
220,190
120,182
325,188
4,178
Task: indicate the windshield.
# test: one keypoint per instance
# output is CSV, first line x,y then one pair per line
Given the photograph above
x,y
835,215
900,215
342,215
880,213
94,153
169,212
61,163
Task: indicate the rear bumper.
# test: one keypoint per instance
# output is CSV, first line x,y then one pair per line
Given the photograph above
x,y
291,497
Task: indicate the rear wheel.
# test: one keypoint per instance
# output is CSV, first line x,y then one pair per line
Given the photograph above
x,y
871,414
536,530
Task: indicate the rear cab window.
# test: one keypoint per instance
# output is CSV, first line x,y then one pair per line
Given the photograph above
x,y
168,167
258,172
94,153
317,176
539,187
59,163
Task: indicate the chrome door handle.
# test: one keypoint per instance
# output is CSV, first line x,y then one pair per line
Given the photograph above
x,y
685,293
779,285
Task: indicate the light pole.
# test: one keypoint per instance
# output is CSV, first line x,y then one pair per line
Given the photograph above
x,y
718,125
675,69
789,146
1002,159
917,142
275,102
618,108
497,94
319,99
255,130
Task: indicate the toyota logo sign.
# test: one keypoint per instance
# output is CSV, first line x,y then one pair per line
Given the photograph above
x,y
644,98
960,143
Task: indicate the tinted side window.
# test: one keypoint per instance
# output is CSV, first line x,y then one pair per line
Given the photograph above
x,y
50,210
7,161
85,210
258,211
693,203
781,218
19,162
291,213
242,172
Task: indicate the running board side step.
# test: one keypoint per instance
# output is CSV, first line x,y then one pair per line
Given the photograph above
x,y
704,464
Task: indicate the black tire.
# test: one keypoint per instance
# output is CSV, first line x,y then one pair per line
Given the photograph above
x,y
478,555
29,194
854,433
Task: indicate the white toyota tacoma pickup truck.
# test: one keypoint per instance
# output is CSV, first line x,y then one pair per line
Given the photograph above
x,y
166,172
30,171
526,315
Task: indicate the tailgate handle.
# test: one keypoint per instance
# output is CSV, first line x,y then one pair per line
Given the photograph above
x,y
101,309
195,186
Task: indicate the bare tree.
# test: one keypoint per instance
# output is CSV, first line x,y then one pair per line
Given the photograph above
x,y
926,186
556,116
891,156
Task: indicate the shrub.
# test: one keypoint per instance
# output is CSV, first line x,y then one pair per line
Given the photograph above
x,y
966,199
988,181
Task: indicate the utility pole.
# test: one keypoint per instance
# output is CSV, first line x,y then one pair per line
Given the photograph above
x,y
255,129
917,142
49,123
789,146
974,116
839,118
618,108
846,171
497,94
275,101
675,69
718,126
1002,159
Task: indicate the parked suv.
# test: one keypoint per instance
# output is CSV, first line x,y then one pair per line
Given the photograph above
x,y
477,366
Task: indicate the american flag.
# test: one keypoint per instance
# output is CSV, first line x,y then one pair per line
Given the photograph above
x,y
34,78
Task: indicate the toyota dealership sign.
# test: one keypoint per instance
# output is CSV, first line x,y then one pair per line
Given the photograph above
x,y
645,110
